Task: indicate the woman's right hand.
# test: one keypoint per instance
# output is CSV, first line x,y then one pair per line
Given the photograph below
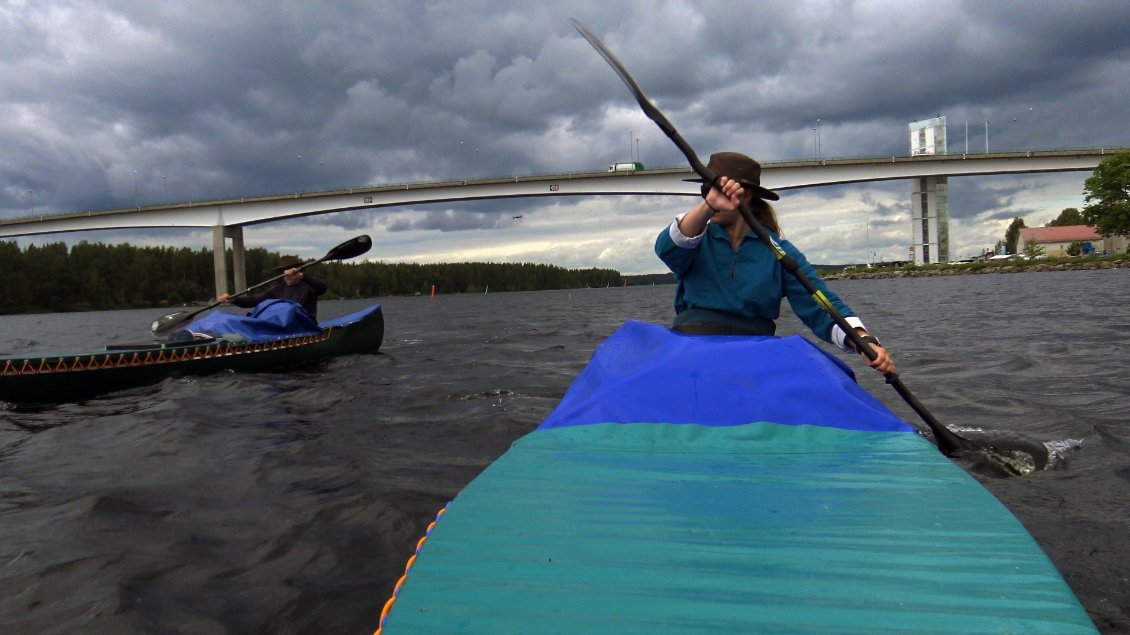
x,y
726,200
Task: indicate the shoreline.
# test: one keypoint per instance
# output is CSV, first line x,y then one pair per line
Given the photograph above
x,y
983,269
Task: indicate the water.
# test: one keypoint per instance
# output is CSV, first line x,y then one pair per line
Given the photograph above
x,y
289,503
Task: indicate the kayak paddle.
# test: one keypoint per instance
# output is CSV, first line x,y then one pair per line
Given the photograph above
x,y
1012,453
346,250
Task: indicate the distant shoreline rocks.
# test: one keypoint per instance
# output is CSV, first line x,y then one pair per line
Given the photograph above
x,y
978,269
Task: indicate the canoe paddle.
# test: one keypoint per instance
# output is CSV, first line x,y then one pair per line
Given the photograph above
x,y
1012,453
349,249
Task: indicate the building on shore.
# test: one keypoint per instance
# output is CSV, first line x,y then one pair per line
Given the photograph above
x,y
1056,241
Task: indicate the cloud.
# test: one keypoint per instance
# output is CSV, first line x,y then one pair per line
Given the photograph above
x,y
114,104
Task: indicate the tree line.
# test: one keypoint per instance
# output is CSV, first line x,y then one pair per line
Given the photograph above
x,y
96,276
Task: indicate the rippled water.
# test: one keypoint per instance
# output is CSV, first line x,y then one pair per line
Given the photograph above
x,y
289,503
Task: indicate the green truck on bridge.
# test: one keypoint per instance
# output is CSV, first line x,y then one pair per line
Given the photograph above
x,y
625,167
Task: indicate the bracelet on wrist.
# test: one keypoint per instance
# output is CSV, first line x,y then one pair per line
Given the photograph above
x,y
870,339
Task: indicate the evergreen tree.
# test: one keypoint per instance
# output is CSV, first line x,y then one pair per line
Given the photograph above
x,y
97,276
1012,235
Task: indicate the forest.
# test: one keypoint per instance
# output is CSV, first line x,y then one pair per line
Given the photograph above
x,y
95,276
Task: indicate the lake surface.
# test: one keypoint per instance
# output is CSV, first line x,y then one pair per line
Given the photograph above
x,y
289,503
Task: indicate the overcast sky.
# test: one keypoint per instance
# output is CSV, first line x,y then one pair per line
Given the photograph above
x,y
107,104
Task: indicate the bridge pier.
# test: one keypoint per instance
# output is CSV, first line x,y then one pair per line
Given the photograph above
x,y
220,261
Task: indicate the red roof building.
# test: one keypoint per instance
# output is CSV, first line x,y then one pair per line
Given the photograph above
x,y
1056,240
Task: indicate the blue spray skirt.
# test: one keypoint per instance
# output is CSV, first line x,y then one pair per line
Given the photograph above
x,y
690,484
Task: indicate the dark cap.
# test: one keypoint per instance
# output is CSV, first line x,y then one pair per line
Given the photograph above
x,y
742,169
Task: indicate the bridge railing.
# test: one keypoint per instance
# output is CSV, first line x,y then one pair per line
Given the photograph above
x,y
769,164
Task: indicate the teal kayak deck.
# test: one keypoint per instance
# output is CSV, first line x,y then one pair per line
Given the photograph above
x,y
759,527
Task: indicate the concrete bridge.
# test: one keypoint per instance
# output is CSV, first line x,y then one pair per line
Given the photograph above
x,y
227,218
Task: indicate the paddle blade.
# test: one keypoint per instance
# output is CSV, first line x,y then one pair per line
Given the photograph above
x,y
1006,453
171,322
350,248
613,62
653,113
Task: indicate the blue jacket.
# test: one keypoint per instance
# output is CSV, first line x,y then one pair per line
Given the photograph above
x,y
749,282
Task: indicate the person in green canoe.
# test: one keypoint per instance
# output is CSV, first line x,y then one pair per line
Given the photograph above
x,y
295,286
729,281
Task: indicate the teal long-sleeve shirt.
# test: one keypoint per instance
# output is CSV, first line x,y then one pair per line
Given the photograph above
x,y
747,282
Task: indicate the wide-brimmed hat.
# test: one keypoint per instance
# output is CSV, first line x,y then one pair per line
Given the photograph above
x,y
289,262
742,169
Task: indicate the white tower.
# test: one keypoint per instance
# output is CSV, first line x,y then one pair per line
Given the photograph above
x,y
929,202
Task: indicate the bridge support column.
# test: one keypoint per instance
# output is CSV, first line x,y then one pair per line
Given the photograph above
x,y
238,257
929,217
220,261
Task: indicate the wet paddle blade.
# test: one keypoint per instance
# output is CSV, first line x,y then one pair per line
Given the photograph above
x,y
172,322
350,248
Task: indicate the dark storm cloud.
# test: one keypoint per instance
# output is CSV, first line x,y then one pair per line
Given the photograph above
x,y
111,104
445,217
449,220
973,197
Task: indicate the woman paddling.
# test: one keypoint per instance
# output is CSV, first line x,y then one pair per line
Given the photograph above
x,y
730,282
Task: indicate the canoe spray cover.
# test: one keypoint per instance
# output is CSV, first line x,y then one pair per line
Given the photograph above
x,y
645,373
270,320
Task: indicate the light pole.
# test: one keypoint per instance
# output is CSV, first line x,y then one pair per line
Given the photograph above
x,y
867,235
31,196
818,148
461,168
136,199
816,140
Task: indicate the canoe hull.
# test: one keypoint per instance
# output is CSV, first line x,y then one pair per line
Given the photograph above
x,y
692,484
63,378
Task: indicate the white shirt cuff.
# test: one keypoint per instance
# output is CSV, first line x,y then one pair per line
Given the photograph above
x,y
838,335
677,237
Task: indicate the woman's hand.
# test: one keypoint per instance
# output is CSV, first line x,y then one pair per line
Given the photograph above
x,y
714,201
726,200
882,362
292,277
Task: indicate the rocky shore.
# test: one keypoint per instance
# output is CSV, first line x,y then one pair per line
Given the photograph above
x,y
960,270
